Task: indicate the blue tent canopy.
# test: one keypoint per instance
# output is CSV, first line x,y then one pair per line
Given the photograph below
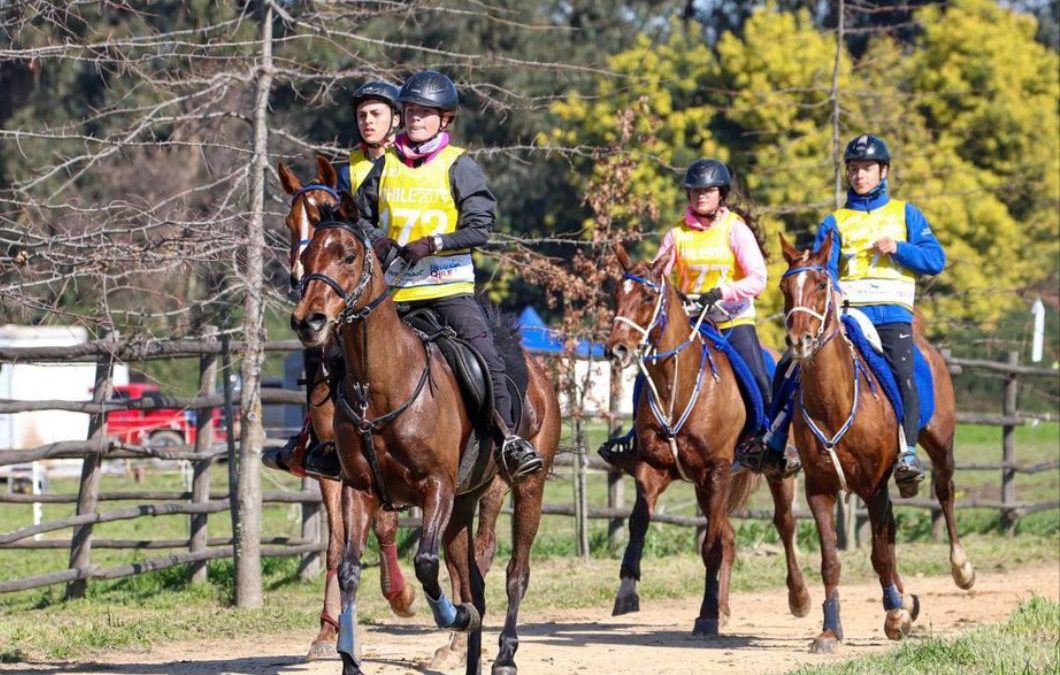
x,y
538,337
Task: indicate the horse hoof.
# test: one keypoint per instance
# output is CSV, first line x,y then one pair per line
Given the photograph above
x,y
474,619
626,604
446,658
705,627
964,575
403,604
322,650
897,624
823,644
504,670
799,603
911,604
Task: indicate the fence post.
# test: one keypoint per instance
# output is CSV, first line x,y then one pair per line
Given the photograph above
x,y
615,488
581,499
91,468
312,530
1009,516
200,482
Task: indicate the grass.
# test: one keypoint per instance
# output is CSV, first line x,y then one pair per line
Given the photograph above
x,y
1026,643
162,606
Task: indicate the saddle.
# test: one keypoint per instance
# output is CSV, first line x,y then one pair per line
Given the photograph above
x,y
476,388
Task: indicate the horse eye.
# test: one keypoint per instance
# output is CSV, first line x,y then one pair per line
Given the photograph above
x,y
821,285
349,259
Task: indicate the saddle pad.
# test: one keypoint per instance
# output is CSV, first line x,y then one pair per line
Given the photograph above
x,y
752,396
885,376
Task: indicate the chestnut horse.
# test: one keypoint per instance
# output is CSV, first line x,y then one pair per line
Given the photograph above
x,y
697,388
863,433
402,427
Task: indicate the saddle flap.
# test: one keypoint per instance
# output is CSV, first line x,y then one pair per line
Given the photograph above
x,y
868,329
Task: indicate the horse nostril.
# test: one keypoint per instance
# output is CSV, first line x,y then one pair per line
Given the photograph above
x,y
294,282
316,321
620,352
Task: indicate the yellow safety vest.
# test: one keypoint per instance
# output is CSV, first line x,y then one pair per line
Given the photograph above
x,y
360,165
416,202
704,261
868,277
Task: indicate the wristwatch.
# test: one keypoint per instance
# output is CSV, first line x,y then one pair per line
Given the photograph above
x,y
436,242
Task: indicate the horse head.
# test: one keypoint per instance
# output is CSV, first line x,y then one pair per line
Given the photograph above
x,y
810,296
306,202
639,301
339,270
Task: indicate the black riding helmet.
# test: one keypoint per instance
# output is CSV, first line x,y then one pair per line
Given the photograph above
x,y
377,90
707,173
867,147
430,89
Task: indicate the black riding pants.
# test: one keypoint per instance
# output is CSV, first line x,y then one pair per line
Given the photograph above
x,y
465,316
897,340
744,339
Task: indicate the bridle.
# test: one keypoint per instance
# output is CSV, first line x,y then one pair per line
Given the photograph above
x,y
822,318
358,412
647,352
350,312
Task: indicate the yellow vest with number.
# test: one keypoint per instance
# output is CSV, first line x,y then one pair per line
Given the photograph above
x,y
360,165
704,261
868,277
415,203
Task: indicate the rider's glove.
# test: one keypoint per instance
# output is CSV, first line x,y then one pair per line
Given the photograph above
x,y
711,297
417,250
382,246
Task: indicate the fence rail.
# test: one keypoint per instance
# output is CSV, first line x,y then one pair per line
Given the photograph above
x,y
199,503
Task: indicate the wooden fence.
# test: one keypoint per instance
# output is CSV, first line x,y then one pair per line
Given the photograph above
x,y
199,503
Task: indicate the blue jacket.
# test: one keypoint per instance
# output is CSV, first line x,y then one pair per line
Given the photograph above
x,y
921,252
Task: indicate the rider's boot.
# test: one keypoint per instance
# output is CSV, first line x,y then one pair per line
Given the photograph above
x,y
619,447
766,453
291,456
516,456
908,473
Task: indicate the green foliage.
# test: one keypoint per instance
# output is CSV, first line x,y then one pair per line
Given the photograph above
x,y
969,109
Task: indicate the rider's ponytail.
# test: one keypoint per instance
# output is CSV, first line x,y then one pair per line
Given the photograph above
x,y
739,203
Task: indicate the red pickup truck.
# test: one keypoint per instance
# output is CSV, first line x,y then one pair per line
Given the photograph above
x,y
158,427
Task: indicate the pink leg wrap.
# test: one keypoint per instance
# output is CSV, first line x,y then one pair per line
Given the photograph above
x,y
390,578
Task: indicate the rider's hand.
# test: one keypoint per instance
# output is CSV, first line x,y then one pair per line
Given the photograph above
x,y
711,297
417,250
382,246
886,245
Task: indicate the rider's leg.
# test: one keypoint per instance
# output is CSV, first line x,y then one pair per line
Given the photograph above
x,y
769,454
897,340
313,461
744,339
464,315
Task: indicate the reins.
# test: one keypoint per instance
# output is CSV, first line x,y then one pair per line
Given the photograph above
x,y
366,426
647,352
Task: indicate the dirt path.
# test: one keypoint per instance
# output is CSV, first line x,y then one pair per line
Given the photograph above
x,y
762,637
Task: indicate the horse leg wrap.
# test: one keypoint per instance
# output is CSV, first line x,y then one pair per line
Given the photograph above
x,y
831,615
390,572
443,610
892,599
347,641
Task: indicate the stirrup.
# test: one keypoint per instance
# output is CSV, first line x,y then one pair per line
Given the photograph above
x,y
618,448
320,463
752,453
518,459
908,474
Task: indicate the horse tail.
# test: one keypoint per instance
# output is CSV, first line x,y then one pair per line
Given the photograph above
x,y
742,487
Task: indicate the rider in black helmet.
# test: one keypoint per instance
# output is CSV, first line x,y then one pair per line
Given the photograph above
x,y
433,200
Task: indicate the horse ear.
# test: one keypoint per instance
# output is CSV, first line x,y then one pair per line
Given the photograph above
x,y
326,172
288,180
659,265
623,257
824,253
348,208
791,254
